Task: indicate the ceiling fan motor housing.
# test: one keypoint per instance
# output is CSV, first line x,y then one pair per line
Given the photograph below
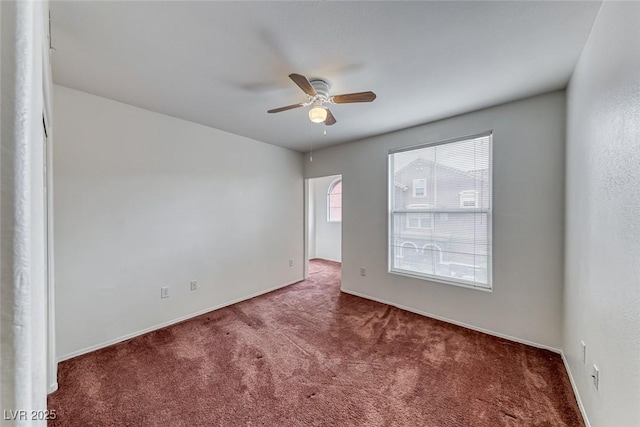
x,y
322,88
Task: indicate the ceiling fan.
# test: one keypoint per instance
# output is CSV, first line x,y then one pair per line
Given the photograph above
x,y
317,91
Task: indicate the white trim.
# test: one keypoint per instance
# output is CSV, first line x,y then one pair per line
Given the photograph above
x,y
441,142
438,210
455,281
52,364
326,259
47,113
170,322
454,322
575,390
307,229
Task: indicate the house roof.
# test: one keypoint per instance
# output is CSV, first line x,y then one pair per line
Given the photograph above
x,y
421,161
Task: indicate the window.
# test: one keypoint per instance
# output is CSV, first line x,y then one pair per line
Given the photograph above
x,y
334,201
447,238
419,188
469,199
420,220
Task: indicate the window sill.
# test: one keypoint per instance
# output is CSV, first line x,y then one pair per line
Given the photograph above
x,y
439,280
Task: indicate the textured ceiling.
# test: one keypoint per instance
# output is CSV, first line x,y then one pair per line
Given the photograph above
x,y
224,64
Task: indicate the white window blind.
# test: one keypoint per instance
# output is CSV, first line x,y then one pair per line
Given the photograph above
x,y
446,234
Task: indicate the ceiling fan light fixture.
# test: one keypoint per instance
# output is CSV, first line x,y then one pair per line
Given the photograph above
x,y
317,114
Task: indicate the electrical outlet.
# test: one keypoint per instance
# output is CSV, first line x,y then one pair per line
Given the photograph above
x,y
583,352
290,263
194,285
363,271
595,376
164,292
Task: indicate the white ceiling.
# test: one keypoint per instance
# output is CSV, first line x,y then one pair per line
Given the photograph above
x,y
224,64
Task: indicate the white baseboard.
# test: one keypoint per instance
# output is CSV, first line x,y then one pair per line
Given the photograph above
x,y
455,322
169,323
325,259
52,387
575,390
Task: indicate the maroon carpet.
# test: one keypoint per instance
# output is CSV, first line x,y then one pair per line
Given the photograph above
x,y
308,355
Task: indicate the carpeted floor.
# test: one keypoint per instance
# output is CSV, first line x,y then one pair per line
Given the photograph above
x,y
308,355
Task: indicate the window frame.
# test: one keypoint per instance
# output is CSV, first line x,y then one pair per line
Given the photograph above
x,y
488,211
329,190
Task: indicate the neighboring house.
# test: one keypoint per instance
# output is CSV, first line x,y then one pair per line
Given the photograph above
x,y
442,235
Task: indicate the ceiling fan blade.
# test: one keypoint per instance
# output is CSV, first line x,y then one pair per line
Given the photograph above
x,y
288,107
354,97
303,83
330,120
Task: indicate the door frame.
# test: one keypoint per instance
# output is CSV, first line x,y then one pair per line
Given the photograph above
x,y
308,194
307,228
47,120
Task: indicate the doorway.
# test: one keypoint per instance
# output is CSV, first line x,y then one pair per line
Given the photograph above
x,y
323,219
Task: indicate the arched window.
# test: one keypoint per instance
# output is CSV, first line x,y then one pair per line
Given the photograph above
x,y
432,258
407,248
334,201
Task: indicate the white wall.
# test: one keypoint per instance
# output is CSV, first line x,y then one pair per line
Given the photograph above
x,y
526,302
602,295
327,236
144,200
